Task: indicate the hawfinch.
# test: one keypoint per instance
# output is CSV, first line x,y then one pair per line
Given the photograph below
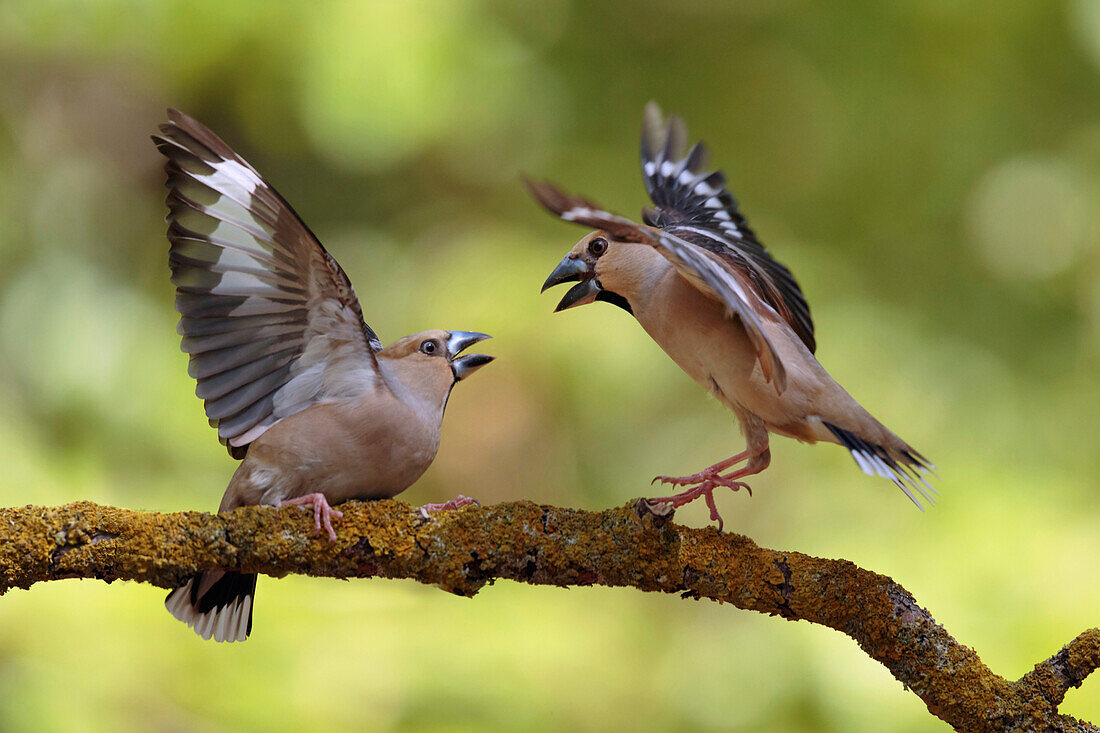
x,y
297,385
704,288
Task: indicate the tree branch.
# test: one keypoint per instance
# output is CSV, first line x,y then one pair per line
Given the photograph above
x,y
629,546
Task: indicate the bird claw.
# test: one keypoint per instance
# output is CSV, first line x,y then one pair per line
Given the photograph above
x,y
731,484
707,474
714,515
456,503
323,514
705,489
679,480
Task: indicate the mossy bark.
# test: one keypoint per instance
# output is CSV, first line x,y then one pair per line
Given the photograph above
x,y
462,551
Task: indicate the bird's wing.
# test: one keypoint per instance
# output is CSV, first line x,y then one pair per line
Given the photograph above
x,y
711,273
692,202
269,318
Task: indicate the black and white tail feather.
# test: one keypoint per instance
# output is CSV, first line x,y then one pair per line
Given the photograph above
x,y
217,604
903,467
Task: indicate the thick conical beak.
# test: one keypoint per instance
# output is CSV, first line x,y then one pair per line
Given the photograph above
x,y
464,366
570,269
573,269
580,294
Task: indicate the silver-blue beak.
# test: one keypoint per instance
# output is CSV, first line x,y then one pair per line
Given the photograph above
x,y
464,366
573,269
570,269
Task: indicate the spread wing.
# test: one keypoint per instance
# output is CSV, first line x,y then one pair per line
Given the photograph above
x,y
692,203
711,273
268,316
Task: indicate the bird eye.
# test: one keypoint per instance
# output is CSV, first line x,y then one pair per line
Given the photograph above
x,y
597,246
429,347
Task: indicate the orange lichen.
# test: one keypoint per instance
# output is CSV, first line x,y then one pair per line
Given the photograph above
x,y
462,551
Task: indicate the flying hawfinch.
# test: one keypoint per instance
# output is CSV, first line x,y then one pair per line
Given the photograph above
x,y
298,386
705,289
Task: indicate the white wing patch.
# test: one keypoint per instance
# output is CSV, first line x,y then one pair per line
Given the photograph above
x,y
269,318
233,179
581,212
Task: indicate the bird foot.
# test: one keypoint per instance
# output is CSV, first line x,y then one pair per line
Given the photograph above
x,y
704,489
456,503
323,514
712,474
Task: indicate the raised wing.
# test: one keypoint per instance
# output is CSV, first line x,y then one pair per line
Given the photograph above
x,y
707,271
269,318
692,203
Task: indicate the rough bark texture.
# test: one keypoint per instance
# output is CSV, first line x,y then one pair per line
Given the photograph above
x,y
629,546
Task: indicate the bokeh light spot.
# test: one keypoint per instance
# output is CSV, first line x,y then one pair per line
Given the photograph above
x,y
1029,217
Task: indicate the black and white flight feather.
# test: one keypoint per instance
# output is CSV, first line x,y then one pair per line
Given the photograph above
x,y
269,318
692,202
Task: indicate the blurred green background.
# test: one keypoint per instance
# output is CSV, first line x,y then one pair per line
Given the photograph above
x,y
929,170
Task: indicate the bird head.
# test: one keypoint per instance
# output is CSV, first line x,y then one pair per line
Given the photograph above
x,y
604,270
430,362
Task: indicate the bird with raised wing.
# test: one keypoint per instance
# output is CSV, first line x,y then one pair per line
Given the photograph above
x,y
298,386
701,284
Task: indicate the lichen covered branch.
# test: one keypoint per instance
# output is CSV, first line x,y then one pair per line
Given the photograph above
x,y
464,550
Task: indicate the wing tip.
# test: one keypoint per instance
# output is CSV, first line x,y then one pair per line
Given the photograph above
x,y
181,122
653,123
546,194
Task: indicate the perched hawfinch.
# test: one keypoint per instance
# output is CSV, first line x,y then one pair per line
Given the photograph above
x,y
704,288
298,386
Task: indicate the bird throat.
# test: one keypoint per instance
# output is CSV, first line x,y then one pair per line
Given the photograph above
x,y
615,299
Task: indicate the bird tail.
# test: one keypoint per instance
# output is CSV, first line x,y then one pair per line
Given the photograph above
x,y
217,604
901,464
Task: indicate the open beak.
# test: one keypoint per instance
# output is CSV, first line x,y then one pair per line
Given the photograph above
x,y
573,269
464,366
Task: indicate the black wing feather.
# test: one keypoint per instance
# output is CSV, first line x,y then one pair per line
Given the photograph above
x,y
693,203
